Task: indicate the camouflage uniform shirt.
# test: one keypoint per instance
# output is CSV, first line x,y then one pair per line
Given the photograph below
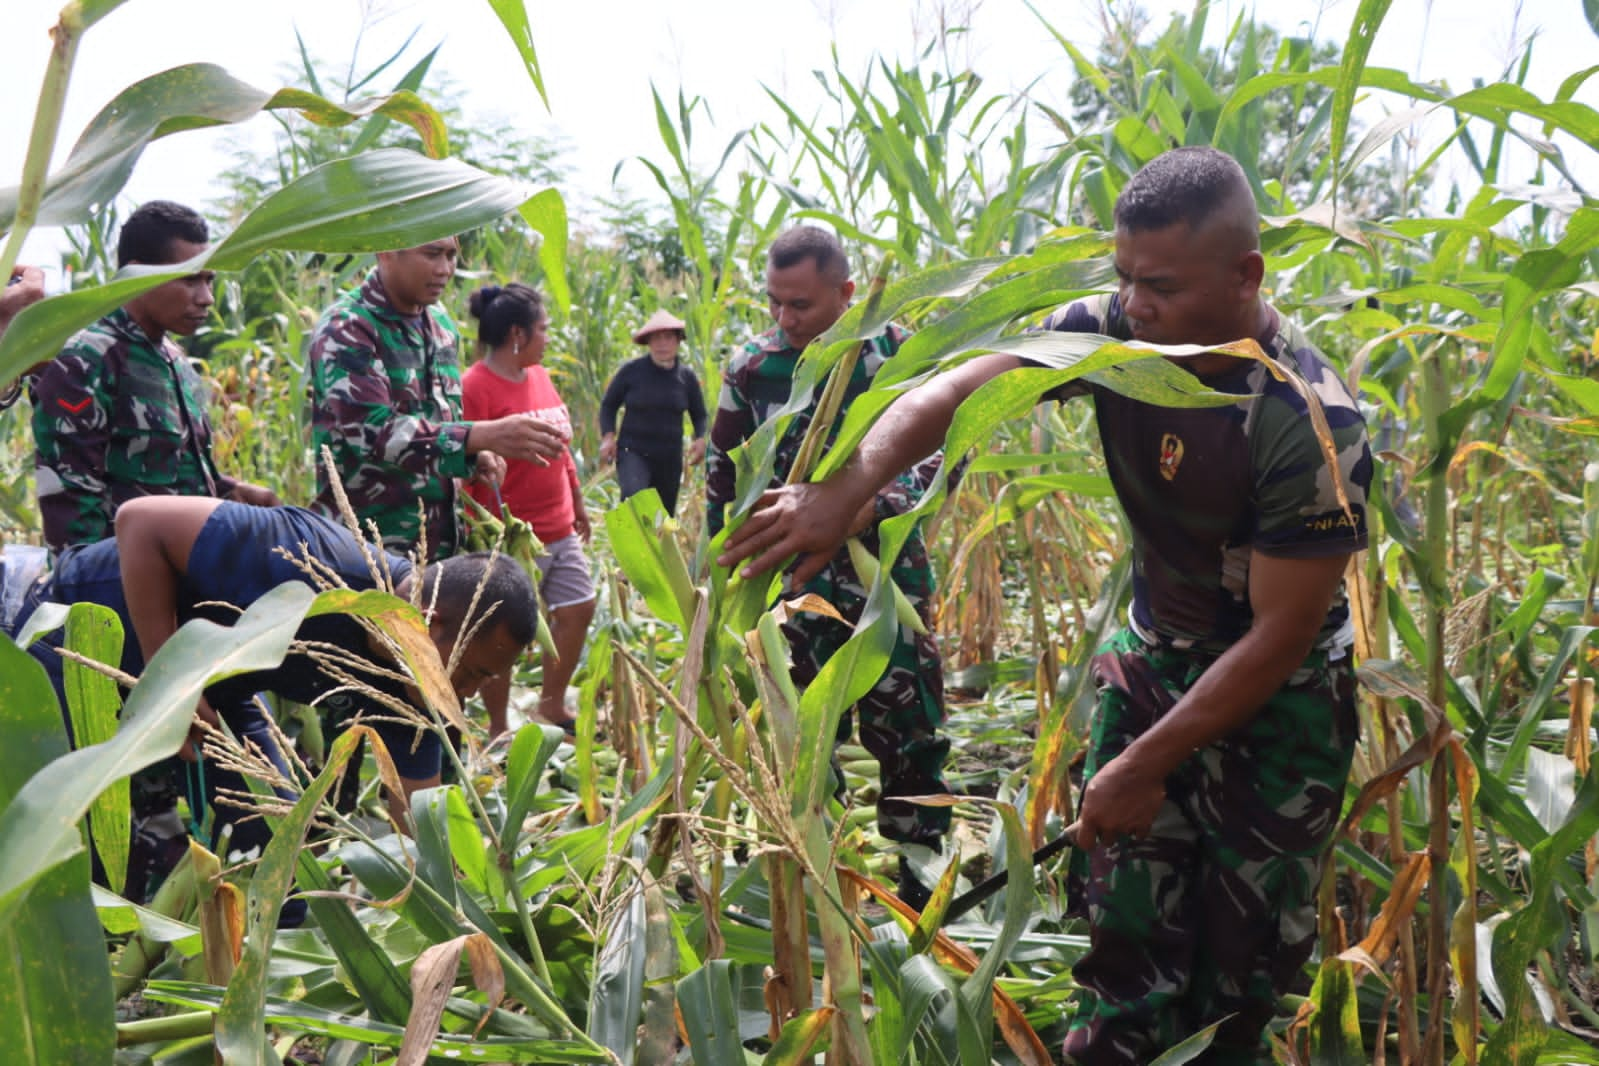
x,y
386,399
117,415
901,715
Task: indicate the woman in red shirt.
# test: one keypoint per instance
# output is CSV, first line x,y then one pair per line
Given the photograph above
x,y
510,379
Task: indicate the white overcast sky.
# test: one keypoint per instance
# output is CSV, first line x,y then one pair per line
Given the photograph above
x,y
599,58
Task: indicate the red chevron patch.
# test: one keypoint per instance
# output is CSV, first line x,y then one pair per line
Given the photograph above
x,y
75,408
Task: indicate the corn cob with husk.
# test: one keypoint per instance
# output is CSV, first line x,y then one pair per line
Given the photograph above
x,y
177,898
866,568
513,537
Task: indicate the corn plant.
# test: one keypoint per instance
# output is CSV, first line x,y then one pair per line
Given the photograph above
x,y
686,887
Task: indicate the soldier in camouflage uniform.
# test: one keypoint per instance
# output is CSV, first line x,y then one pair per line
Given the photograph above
x,y
1221,747
808,288
386,399
119,414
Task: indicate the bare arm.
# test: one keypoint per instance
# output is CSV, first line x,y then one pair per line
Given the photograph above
x,y
1289,598
517,437
813,520
154,537
580,514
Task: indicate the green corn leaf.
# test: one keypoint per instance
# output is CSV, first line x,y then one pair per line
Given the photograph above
x,y
513,16
39,827
1362,32
652,562
119,917
1539,701
377,201
94,703
184,98
411,82
1523,1034
470,851
524,767
241,1036
388,877
978,989
55,986
378,982
802,1038
300,1016
1535,275
435,865
657,1035
1335,1029
617,996
91,11
1189,1049
842,681
1584,392
1551,786
710,1015
546,214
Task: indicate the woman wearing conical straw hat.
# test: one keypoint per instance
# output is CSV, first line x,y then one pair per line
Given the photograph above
x,y
656,390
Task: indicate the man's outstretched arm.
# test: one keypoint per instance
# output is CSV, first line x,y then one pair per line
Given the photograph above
x,y
813,520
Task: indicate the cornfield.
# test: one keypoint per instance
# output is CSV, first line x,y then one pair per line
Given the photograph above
x,y
680,884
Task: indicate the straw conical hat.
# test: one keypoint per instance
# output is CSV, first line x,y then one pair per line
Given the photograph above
x,y
660,322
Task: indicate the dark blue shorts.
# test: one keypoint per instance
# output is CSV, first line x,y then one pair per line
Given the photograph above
x,y
235,561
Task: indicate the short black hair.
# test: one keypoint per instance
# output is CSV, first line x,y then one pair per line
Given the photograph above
x,y
148,233
507,598
800,243
500,309
1187,185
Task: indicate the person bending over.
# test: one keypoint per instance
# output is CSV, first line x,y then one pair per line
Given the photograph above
x,y
176,558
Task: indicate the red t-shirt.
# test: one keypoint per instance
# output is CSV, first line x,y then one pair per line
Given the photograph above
x,y
539,495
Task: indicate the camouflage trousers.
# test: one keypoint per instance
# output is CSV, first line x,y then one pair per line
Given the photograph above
x,y
1213,913
900,716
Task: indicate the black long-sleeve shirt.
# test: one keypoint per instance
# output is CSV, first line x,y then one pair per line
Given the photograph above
x,y
656,400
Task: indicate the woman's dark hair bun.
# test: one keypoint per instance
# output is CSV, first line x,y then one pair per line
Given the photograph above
x,y
481,299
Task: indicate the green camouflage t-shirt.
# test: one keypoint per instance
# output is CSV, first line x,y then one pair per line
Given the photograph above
x,y
116,416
